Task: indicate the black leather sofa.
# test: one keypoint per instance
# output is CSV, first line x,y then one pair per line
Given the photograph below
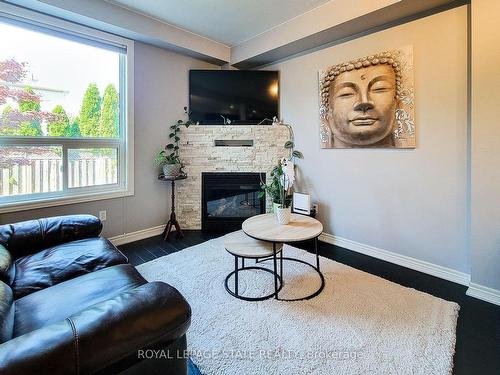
x,y
71,304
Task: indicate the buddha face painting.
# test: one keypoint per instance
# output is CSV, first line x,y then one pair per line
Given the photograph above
x,y
362,104
361,107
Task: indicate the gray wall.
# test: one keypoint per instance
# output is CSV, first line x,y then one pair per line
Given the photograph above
x,y
485,181
161,92
411,202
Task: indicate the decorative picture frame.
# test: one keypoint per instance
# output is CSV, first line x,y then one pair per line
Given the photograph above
x,y
368,102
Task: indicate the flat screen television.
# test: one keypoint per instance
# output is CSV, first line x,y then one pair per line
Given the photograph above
x,y
236,97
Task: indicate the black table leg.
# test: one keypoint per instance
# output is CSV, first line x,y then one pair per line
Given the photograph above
x,y
280,274
236,275
275,272
281,261
317,256
235,291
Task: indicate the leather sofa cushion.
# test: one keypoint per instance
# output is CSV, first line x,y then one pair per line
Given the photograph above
x,y
6,313
60,301
5,262
62,262
28,237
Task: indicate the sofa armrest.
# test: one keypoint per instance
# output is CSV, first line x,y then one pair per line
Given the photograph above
x,y
46,350
100,335
28,237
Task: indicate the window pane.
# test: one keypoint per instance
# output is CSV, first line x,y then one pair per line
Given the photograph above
x,y
50,86
92,166
30,169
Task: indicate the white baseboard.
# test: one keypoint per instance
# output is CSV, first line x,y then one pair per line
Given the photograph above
x,y
137,235
484,293
401,260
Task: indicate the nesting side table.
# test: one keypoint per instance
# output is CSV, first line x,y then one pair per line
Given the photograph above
x,y
243,247
301,228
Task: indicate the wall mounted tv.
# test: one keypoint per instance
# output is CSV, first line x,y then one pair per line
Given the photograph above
x,y
236,97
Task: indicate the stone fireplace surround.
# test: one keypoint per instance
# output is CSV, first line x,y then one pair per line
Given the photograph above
x,y
199,154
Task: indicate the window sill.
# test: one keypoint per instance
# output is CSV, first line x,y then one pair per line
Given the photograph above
x,y
62,200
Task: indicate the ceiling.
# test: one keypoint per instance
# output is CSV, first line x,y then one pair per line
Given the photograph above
x,y
230,22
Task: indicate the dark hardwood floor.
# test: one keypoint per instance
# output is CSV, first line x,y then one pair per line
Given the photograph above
x,y
154,247
478,332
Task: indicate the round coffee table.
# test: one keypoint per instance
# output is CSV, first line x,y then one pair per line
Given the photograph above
x,y
243,247
300,228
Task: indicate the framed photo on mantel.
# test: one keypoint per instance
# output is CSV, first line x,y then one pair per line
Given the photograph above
x,y
368,102
301,203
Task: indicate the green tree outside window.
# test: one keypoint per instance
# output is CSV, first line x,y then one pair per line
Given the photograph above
x,y
110,114
31,104
90,112
60,126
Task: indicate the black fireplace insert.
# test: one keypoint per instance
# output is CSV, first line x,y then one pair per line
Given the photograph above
x,y
228,198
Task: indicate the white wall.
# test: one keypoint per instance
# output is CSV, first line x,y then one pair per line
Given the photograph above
x,y
411,202
161,92
485,140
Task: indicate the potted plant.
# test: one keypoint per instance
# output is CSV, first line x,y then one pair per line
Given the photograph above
x,y
273,190
168,158
286,177
170,163
282,179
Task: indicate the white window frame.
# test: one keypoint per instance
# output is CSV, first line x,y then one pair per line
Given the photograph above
x,y
124,144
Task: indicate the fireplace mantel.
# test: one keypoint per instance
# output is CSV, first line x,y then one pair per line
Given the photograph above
x,y
199,154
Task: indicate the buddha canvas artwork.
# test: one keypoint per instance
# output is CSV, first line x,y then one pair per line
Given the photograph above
x,y
368,102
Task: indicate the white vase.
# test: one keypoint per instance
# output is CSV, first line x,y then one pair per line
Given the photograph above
x,y
171,170
283,215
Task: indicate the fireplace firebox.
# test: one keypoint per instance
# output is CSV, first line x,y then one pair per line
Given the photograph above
x,y
228,198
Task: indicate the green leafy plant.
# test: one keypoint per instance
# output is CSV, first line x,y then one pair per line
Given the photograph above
x,y
271,189
170,155
276,189
294,154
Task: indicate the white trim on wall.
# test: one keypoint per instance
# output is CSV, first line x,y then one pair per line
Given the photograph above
x,y
137,235
401,260
142,234
475,290
484,293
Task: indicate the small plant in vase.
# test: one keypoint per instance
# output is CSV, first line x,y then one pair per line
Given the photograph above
x,y
272,189
168,158
280,188
286,177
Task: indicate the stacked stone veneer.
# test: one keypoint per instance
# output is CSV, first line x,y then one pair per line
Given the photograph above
x,y
198,154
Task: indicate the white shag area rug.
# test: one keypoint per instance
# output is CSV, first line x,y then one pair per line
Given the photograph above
x,y
359,324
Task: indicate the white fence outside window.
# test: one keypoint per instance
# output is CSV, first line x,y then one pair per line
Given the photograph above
x,y
45,175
